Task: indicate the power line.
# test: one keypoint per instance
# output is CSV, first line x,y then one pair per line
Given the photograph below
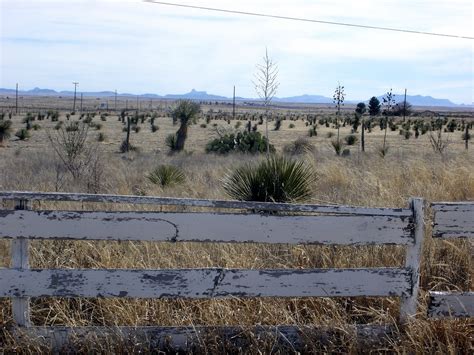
x,y
309,20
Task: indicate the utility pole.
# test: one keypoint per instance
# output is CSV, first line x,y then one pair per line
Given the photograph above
x,y
16,99
233,106
75,89
137,105
115,104
405,105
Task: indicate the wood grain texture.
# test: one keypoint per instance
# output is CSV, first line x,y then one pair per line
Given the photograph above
x,y
453,220
221,204
445,304
202,227
409,301
204,283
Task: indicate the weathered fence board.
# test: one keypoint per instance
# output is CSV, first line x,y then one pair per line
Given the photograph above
x,y
258,206
161,226
453,220
204,283
174,339
444,304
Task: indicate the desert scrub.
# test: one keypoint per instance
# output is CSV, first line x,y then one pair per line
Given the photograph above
x,y
166,175
299,146
243,142
22,134
276,179
5,130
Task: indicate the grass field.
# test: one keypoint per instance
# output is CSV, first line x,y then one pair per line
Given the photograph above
x,y
411,168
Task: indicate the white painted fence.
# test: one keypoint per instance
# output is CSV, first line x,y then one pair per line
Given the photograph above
x,y
242,222
452,220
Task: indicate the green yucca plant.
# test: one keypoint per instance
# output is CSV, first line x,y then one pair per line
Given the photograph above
x,y
276,179
22,134
166,175
5,130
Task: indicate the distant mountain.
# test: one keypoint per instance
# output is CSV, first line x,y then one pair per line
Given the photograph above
x,y
419,100
197,95
415,100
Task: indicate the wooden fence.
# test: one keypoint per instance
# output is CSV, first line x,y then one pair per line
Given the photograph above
x,y
240,222
452,220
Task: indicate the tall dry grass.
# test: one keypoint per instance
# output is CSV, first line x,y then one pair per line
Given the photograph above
x,y
366,180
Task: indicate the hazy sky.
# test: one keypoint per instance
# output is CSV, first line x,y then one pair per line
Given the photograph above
x,y
140,47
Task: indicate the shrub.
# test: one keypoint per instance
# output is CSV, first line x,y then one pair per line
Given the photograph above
x,y
101,137
237,124
277,124
407,134
154,128
291,125
330,134
170,141
58,125
203,125
36,127
136,128
337,145
5,130
127,147
166,175
276,179
299,146
22,134
98,126
72,127
312,131
244,142
350,139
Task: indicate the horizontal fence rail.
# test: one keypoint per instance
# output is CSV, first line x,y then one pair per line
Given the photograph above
x,y
216,204
445,304
205,283
205,227
453,220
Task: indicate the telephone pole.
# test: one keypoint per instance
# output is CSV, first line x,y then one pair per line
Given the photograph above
x,y
405,105
16,99
233,106
75,89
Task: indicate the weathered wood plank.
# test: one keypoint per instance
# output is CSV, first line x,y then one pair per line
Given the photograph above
x,y
173,339
409,301
446,304
20,260
453,220
204,283
153,200
157,226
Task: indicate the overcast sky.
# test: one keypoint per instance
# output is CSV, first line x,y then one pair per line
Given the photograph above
x,y
138,47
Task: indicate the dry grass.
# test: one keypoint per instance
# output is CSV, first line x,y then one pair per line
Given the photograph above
x,y
361,179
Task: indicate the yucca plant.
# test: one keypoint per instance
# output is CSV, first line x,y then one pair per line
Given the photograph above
x,y
5,130
166,175
276,179
22,134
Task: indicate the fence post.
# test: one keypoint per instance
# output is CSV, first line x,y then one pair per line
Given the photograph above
x,y
19,256
413,259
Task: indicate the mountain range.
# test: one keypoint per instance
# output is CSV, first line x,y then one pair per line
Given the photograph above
x,y
415,100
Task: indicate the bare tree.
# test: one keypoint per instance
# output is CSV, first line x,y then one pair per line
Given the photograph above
x,y
266,85
77,156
